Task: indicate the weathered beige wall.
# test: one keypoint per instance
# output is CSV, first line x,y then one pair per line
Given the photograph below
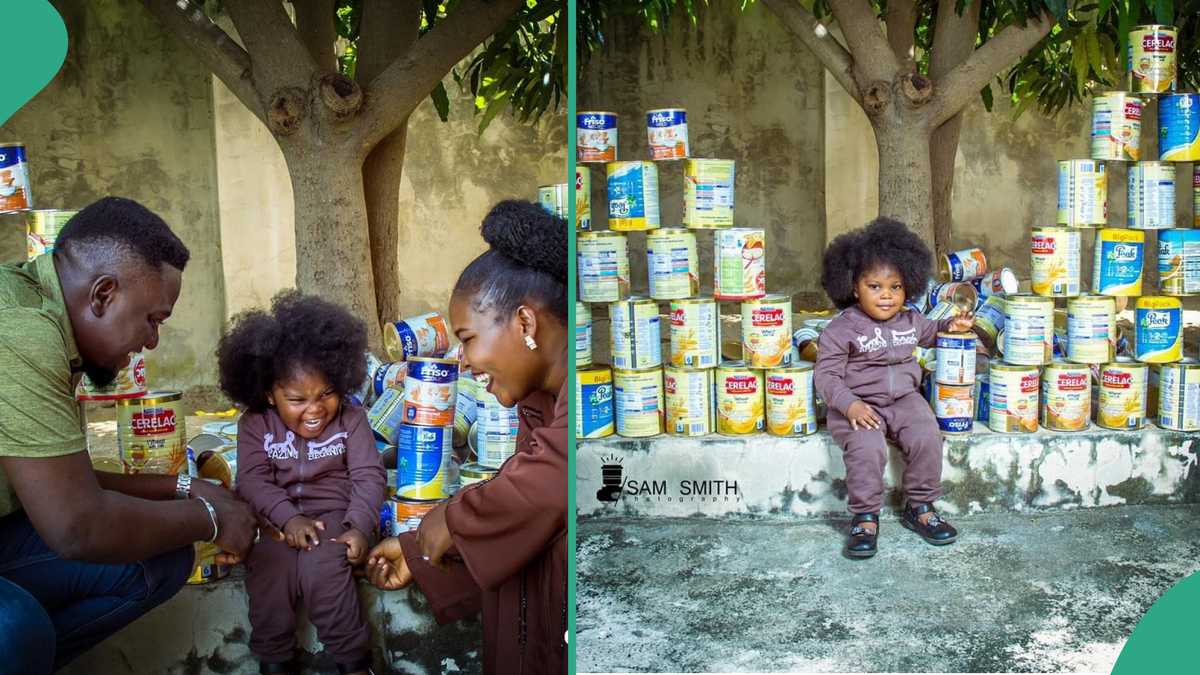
x,y
748,99
130,114
452,177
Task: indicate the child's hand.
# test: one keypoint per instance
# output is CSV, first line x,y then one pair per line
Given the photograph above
x,y
356,545
962,322
301,532
862,415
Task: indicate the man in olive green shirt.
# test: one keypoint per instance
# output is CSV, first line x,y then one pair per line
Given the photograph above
x,y
84,552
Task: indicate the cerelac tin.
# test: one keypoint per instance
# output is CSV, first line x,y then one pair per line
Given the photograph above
x,y
596,136
767,331
689,401
1152,60
739,264
791,408
695,333
739,399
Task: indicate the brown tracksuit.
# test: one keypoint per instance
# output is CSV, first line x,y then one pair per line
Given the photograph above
x,y
337,479
859,358
510,550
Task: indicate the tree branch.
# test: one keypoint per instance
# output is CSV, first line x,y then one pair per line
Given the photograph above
x,y
387,30
874,60
397,91
901,22
314,26
213,46
819,40
954,36
278,60
955,90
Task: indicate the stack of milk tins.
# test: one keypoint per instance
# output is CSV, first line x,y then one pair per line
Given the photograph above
x,y
692,391
422,405
1097,374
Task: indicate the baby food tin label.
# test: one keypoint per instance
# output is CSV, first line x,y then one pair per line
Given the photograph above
x,y
1013,398
1151,195
1082,193
963,265
1055,261
708,193
594,403
1091,329
14,178
1118,262
1152,59
1179,128
430,392
1028,330
695,333
596,136
1179,397
1158,330
636,334
667,133
1179,262
633,196
1116,126
739,399
790,405
603,260
955,358
1121,403
424,335
739,261
583,198
672,264
639,402
423,462
1066,397
689,401
954,407
767,331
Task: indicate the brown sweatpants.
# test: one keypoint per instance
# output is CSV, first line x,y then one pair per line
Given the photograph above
x,y
279,577
910,423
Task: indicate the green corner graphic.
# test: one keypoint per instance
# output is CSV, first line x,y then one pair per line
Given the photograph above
x,y
1159,642
35,32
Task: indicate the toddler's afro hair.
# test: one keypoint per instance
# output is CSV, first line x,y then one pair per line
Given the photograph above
x,y
300,332
883,242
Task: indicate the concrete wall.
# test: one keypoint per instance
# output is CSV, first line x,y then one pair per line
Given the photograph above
x,y
130,114
748,99
141,118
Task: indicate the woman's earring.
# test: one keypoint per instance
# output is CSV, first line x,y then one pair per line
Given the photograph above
x,y
530,343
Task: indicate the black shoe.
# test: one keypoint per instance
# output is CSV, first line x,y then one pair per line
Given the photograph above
x,y
861,542
936,531
363,664
286,668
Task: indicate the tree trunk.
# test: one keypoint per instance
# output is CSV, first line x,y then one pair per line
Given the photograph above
x,y
333,253
381,180
904,175
943,148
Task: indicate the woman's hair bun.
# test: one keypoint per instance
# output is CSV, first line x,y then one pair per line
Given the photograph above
x,y
529,235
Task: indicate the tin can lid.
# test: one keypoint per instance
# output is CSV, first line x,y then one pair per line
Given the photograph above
x,y
477,471
152,398
703,300
595,112
797,367
666,110
636,371
431,359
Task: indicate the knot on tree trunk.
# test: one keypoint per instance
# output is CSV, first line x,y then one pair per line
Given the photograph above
x,y
917,88
341,95
287,110
876,97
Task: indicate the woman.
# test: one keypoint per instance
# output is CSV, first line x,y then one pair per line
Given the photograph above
x,y
503,542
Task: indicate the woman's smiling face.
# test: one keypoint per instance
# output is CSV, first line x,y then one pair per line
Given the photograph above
x,y
494,346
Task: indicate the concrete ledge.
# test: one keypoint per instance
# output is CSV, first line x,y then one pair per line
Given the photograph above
x,y
713,476
206,629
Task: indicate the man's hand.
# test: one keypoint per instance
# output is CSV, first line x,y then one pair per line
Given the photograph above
x,y
356,545
386,567
236,525
265,529
302,533
433,535
862,416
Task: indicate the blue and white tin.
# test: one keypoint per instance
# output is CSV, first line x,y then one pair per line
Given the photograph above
x,y
1179,127
666,130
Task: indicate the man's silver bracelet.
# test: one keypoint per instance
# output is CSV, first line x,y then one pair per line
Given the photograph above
x,y
212,514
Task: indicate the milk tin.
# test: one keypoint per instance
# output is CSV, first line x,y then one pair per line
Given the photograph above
x,y
633,196
955,358
603,259
963,265
1091,329
636,334
638,402
593,402
1082,193
667,133
388,376
689,401
1179,396
1121,402
1028,330
430,391
672,264
708,193
1179,262
1055,261
989,319
423,462
554,198
496,430
1066,396
1116,126
1196,195
739,264
424,335
583,198
42,228
14,178
1179,128
1158,325
596,137
386,414
695,333
1013,400
1151,195
583,334
152,433
1118,262
790,404
961,295
130,382
997,282
954,407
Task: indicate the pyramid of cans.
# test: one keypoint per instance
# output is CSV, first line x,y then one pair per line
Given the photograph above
x,y
421,407
1092,370
690,390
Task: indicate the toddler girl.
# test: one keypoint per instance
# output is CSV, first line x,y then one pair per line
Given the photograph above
x,y
869,378
307,462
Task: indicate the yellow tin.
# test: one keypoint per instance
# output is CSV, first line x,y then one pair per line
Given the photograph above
x,y
1028,330
152,433
791,407
695,333
739,399
633,196
767,331
1066,396
1091,329
635,334
1055,260
1013,397
1179,396
603,259
708,193
1121,399
638,398
689,401
1153,59
672,264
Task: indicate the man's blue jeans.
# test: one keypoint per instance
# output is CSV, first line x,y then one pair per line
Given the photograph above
x,y
52,610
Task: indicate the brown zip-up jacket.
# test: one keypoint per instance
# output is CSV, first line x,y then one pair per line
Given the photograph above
x,y
510,550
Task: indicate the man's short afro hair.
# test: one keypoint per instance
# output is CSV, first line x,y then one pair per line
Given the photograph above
x,y
127,225
300,332
883,242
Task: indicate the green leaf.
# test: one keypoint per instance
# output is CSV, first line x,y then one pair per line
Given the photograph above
x,y
441,101
1164,11
1093,51
1079,65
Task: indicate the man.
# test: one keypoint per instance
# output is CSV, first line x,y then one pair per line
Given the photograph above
x,y
82,552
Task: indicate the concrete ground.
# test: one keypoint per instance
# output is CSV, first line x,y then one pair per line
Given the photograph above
x,y
1019,592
